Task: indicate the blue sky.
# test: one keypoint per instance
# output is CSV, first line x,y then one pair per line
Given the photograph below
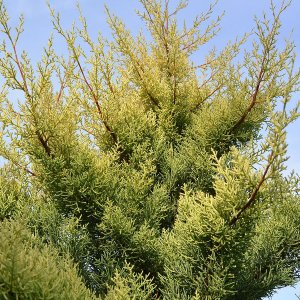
x,y
237,20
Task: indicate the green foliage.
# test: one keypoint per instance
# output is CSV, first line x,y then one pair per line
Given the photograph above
x,y
31,270
142,175
128,285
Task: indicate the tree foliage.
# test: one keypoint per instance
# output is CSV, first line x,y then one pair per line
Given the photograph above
x,y
133,173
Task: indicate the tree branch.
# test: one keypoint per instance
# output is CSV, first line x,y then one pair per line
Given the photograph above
x,y
136,64
44,143
17,61
207,97
20,166
254,95
95,99
61,89
252,198
267,49
24,168
26,90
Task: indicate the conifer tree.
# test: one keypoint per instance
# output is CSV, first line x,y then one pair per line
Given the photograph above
x,y
142,175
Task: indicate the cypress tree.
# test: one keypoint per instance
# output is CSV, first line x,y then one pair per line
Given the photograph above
x,y
141,175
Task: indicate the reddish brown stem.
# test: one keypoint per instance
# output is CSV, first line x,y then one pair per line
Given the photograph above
x,y
174,90
44,143
207,97
23,168
204,65
95,99
62,87
25,87
254,97
252,198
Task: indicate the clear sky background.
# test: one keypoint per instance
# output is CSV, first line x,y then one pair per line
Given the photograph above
x,y
237,20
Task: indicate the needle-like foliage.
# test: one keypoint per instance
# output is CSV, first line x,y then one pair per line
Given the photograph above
x,y
134,173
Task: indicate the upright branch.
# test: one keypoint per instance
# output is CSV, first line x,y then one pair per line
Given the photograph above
x,y
26,90
276,141
44,143
199,34
254,95
159,22
210,94
13,42
253,196
94,97
4,19
124,45
70,39
170,41
61,89
268,43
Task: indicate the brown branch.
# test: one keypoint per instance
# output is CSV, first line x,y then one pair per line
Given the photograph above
x,y
106,71
17,61
193,43
167,17
205,65
95,98
165,28
62,87
25,169
205,82
136,64
252,198
174,90
260,76
148,13
44,143
26,90
153,100
22,167
254,96
88,131
210,94
207,97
